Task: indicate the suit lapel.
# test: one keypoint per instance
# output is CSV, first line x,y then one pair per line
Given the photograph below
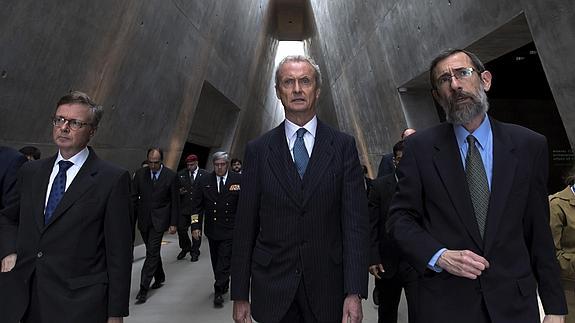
x,y
448,163
83,181
282,165
43,174
504,166
320,160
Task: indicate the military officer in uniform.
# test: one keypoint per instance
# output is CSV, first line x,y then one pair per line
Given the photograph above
x,y
187,177
215,200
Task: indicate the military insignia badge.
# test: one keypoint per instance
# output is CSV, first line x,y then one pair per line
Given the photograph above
x,y
235,187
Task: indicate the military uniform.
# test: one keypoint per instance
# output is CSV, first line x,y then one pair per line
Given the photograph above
x,y
218,210
187,181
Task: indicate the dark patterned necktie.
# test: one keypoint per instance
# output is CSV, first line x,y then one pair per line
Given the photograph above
x,y
300,155
154,177
57,190
477,181
221,185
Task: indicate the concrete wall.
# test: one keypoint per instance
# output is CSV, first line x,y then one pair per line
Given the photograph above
x,y
371,48
145,61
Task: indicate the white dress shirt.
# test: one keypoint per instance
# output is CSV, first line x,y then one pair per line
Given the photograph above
x,y
78,160
308,138
225,177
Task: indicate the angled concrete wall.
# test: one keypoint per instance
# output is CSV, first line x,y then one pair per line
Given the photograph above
x,y
145,61
371,48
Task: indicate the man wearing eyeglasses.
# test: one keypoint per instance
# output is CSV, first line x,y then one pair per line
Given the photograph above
x,y
66,246
301,235
471,212
156,205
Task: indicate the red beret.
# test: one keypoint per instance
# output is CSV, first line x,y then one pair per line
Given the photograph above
x,y
191,158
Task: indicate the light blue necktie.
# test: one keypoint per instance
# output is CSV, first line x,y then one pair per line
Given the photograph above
x,y
58,189
300,154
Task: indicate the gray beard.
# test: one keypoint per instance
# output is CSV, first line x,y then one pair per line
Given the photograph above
x,y
464,113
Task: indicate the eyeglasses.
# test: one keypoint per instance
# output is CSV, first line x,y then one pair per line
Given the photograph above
x,y
460,74
72,123
289,83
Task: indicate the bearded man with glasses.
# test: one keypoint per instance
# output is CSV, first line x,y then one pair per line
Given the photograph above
x,y
470,212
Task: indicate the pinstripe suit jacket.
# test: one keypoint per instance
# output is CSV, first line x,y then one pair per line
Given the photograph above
x,y
288,229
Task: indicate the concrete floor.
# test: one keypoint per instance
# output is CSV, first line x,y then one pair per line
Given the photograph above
x,y
187,294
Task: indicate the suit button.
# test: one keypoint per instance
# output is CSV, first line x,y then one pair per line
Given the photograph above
x,y
215,203
214,219
297,271
39,254
215,211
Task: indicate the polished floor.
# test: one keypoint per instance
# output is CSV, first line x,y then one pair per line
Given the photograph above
x,y
187,294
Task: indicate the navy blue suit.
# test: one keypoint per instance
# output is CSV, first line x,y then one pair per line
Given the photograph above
x,y
291,231
432,209
81,261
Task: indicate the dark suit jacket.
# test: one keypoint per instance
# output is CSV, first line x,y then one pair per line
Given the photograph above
x,y
383,249
287,227
187,189
157,204
432,209
217,210
10,162
82,258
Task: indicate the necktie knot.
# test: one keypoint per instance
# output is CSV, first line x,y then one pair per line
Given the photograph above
x,y
471,140
64,165
301,132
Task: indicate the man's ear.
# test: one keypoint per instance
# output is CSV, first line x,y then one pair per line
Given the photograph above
x,y
317,92
435,95
486,80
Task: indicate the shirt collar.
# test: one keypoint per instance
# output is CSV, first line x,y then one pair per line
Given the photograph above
x,y
291,128
481,134
158,171
77,159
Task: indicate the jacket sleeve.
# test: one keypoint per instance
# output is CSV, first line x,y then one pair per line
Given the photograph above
x,y
374,203
246,226
118,241
538,236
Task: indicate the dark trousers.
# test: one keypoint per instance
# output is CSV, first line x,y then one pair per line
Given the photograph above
x,y
300,310
193,246
153,264
33,313
390,294
221,254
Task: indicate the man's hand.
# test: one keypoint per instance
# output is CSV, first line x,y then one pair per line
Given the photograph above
x,y
554,319
115,320
242,313
352,309
196,234
8,263
376,270
173,229
462,263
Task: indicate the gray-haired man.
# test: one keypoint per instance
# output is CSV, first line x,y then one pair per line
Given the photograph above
x,y
216,201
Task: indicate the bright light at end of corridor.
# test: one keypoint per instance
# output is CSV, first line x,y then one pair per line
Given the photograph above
x,y
286,48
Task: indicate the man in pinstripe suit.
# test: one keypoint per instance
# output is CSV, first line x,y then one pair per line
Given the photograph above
x,y
301,231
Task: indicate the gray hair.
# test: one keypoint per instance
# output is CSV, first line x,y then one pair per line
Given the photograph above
x,y
299,58
83,98
221,155
475,61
